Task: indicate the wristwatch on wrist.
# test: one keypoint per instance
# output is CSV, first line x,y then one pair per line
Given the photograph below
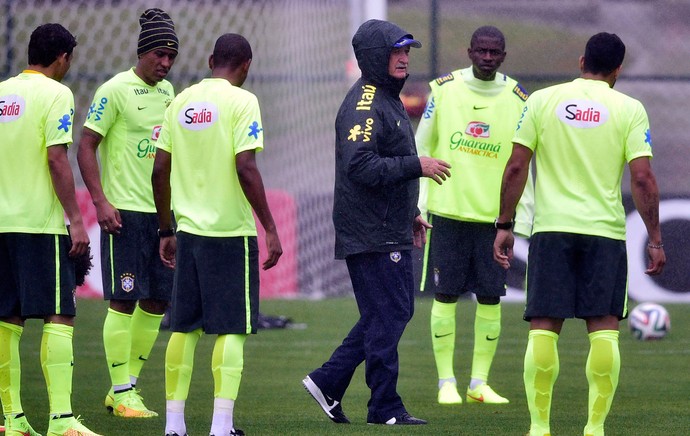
x,y
166,233
504,226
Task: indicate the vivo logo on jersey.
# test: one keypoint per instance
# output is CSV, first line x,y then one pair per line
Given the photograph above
x,y
198,116
156,132
584,114
477,129
11,108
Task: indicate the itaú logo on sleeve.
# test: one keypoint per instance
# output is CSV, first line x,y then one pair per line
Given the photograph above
x,y
584,114
198,116
11,108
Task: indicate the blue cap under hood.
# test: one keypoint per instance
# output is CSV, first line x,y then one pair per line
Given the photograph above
x,y
373,43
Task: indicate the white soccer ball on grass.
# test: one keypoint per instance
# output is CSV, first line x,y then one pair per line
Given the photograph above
x,y
649,321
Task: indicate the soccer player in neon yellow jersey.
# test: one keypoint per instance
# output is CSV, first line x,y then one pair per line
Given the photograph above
x,y
582,134
469,122
123,124
36,253
206,164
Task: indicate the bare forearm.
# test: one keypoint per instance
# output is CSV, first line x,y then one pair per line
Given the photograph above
x,y
512,186
253,188
88,165
160,181
645,195
63,182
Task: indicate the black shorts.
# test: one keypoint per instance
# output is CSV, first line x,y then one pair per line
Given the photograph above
x,y
38,276
459,258
130,264
576,276
216,285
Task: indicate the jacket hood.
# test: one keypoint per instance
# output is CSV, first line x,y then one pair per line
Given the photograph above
x,y
373,43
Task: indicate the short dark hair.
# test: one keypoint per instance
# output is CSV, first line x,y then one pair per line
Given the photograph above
x,y
231,50
488,32
47,42
604,53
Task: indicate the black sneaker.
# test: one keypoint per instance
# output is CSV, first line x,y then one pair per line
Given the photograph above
x,y
331,407
233,432
404,419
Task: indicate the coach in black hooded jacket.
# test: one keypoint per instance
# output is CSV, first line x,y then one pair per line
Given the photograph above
x,y
376,222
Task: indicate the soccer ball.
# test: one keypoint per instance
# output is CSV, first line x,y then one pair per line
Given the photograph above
x,y
649,321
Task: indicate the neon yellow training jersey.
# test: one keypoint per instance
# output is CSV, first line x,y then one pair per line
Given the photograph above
x,y
582,133
469,123
205,127
36,112
128,113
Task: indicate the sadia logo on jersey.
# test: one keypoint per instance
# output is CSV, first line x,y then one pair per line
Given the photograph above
x,y
198,116
477,129
11,108
583,114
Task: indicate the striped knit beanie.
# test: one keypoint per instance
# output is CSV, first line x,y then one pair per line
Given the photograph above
x,y
157,30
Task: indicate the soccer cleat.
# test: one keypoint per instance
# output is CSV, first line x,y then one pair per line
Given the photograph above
x,y
172,433
129,404
18,426
68,426
332,408
448,394
233,432
484,394
404,419
109,400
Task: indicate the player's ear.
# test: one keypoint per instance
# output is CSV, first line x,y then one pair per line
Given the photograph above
x,y
210,62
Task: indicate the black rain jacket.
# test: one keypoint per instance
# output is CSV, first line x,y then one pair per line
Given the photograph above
x,y
376,165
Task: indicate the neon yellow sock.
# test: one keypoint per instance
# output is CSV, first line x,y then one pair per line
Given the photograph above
x,y
144,331
487,329
602,369
57,359
540,374
117,341
443,337
179,363
10,368
226,364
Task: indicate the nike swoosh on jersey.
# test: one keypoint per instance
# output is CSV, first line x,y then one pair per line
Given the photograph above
x,y
491,339
442,336
141,108
142,358
116,364
479,107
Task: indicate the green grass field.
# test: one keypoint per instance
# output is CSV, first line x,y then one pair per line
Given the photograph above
x,y
652,397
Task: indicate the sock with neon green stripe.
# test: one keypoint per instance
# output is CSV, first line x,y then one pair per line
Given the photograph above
x,y
117,341
602,370
487,329
179,364
10,368
540,374
443,337
57,360
144,330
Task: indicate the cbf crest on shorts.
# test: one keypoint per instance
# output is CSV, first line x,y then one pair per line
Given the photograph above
x,y
395,256
127,282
